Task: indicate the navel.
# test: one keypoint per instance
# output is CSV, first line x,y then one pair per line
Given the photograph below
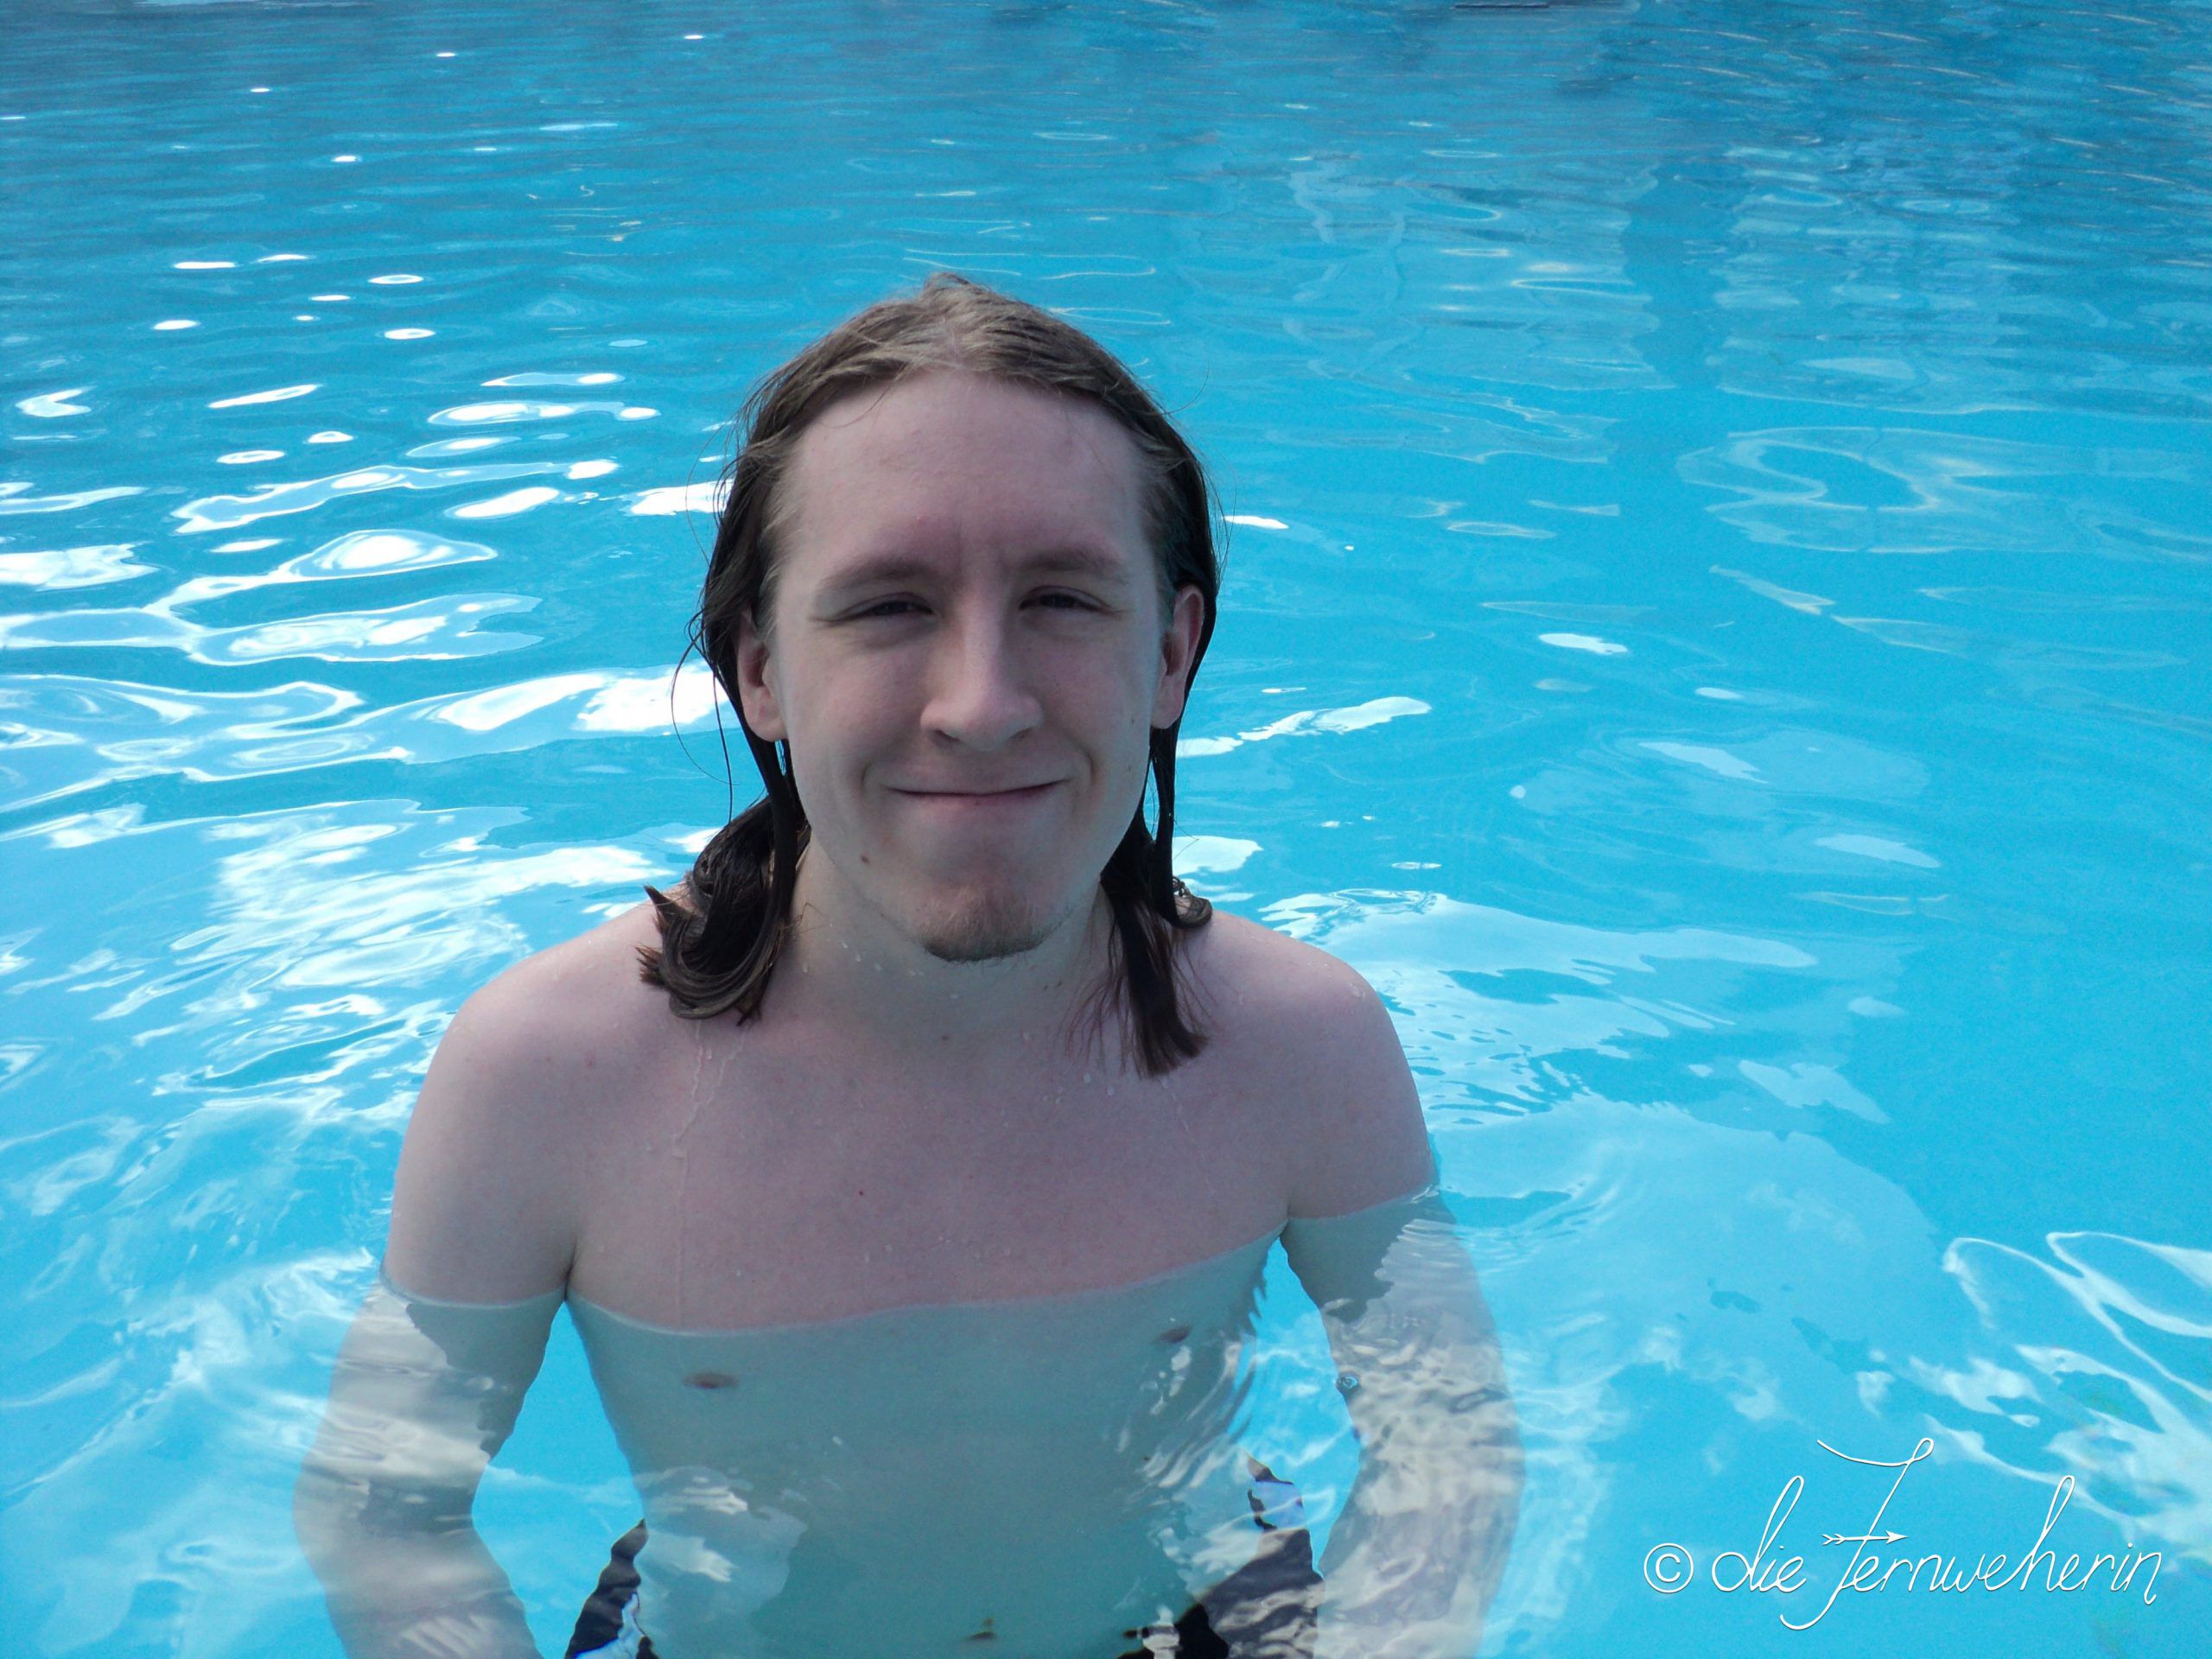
x,y
710,1380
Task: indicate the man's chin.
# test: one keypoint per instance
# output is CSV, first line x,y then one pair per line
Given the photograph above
x,y
986,929
982,942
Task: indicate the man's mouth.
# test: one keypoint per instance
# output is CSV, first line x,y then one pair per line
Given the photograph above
x,y
987,799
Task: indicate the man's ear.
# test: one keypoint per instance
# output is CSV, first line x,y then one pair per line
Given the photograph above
x,y
1177,651
756,697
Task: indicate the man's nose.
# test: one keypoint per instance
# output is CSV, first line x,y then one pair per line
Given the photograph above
x,y
981,692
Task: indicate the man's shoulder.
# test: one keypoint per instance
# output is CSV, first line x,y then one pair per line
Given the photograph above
x,y
1277,989
542,1036
1308,1027
1261,974
484,1202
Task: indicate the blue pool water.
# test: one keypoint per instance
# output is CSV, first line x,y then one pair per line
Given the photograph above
x,y
1718,628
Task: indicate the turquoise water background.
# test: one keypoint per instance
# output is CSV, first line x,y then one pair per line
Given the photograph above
x,y
1718,628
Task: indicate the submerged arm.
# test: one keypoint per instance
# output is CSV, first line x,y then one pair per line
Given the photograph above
x,y
423,1394
427,1387
1418,1550
1416,1554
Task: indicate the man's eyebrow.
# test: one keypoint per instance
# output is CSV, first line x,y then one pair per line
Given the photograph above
x,y
906,567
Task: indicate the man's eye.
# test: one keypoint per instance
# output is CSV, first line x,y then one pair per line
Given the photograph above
x,y
889,608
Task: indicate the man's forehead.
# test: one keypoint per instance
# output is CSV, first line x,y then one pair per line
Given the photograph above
x,y
1013,470
930,409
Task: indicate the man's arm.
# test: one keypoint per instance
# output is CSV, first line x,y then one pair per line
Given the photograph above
x,y
432,1373
1416,1554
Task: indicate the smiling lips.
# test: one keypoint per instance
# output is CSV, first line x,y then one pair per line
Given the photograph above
x,y
981,803
985,800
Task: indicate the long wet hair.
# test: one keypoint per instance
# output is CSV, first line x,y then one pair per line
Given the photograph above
x,y
721,939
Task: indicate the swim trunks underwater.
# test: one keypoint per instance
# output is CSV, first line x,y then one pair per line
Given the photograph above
x,y
1267,1609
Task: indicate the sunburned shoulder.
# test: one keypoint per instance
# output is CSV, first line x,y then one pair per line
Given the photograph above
x,y
1309,1027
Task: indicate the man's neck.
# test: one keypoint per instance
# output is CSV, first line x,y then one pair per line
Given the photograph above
x,y
845,969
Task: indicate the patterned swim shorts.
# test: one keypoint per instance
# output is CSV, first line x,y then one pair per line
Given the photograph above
x,y
1265,1610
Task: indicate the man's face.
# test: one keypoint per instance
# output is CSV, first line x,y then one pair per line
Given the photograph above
x,y
966,655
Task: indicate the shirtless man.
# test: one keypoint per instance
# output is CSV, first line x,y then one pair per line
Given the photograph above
x,y
952,1088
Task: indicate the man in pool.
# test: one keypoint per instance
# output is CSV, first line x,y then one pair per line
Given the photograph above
x,y
930,1031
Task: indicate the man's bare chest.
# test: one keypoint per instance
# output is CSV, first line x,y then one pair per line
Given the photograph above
x,y
734,1187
